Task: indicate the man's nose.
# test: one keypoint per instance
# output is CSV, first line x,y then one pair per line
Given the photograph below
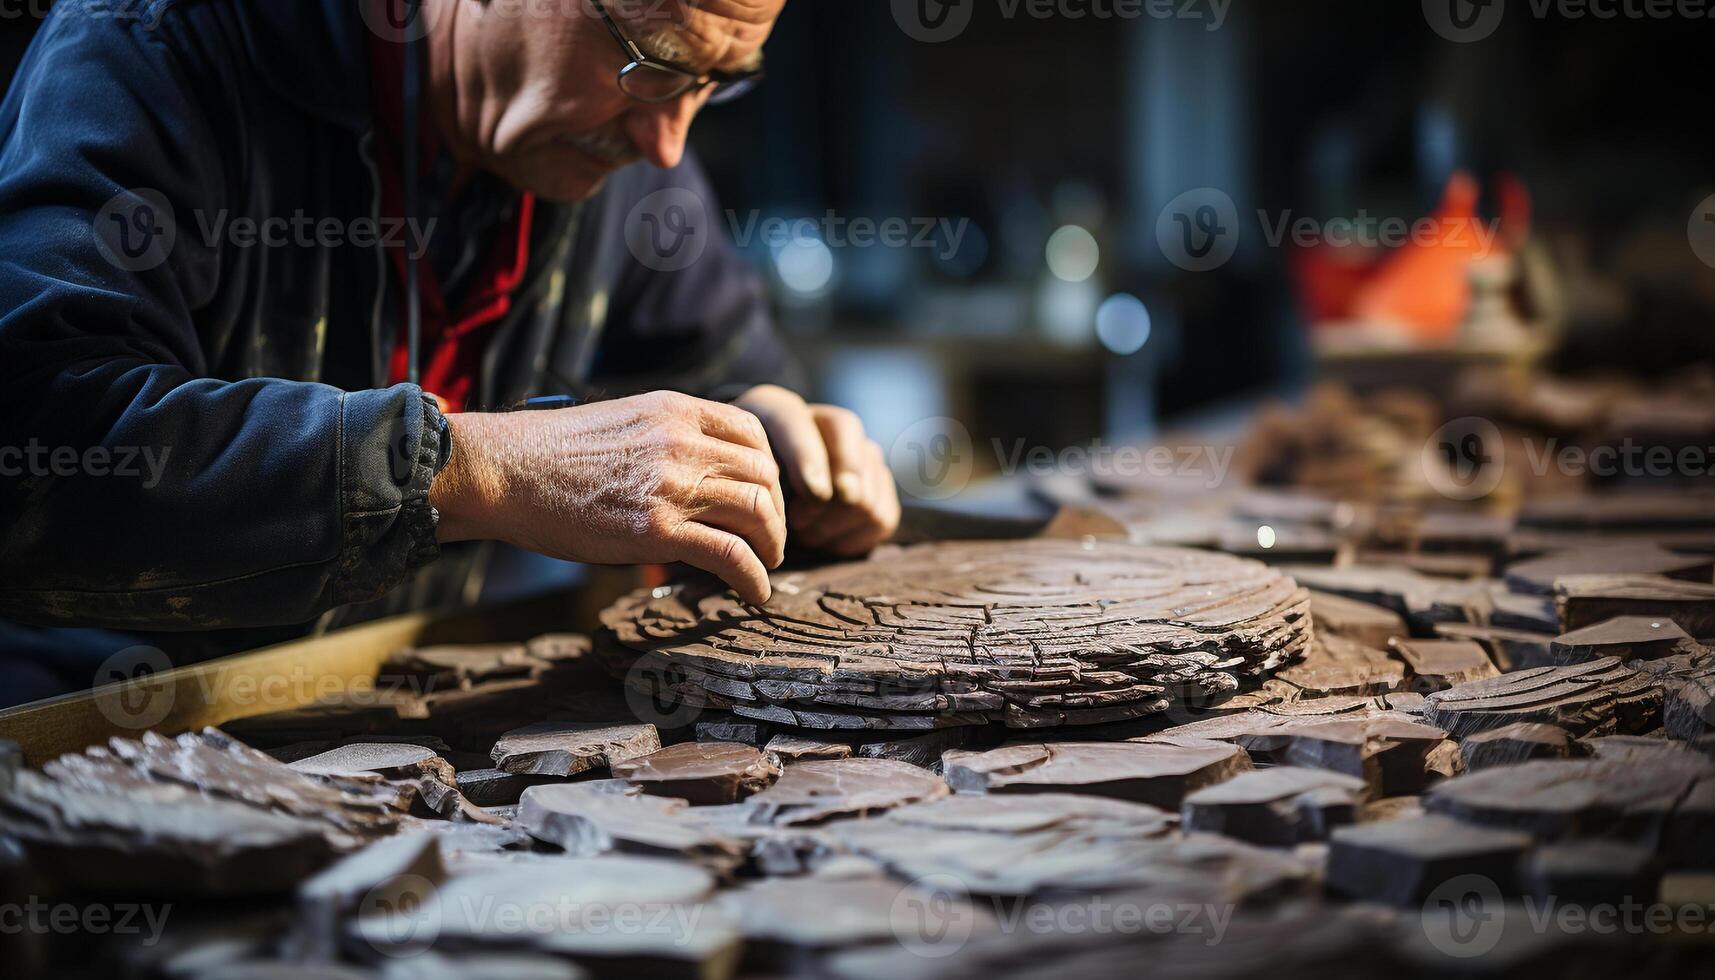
x,y
659,131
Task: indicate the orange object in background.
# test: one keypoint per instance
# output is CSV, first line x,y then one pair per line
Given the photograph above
x,y
1423,287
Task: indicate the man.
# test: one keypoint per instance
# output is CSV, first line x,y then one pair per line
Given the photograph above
x,y
210,215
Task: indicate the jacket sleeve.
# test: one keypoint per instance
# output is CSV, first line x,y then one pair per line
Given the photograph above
x,y
136,491
688,312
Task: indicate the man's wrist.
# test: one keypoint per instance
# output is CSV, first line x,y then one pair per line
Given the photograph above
x,y
467,491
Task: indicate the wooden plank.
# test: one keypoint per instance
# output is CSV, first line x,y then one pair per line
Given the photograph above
x,y
284,676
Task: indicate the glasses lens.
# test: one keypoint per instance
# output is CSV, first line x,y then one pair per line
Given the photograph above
x,y
727,91
649,83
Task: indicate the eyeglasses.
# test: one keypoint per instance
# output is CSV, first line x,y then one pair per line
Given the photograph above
x,y
654,81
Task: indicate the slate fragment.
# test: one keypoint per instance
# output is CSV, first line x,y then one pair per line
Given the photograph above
x,y
1512,744
554,748
596,818
1401,862
812,792
1279,806
1436,665
1597,698
391,870
1624,637
701,772
1159,774
1362,622
1585,600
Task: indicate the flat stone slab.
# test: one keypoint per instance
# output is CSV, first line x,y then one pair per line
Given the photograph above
x,y
1363,622
1156,773
1624,637
1436,665
820,790
1513,744
1336,666
1401,862
393,760
554,748
1032,633
1556,799
701,772
1585,600
1053,842
1602,697
1280,806
1389,756
599,818
1538,575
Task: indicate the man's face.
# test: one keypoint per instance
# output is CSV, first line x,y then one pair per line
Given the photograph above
x,y
547,114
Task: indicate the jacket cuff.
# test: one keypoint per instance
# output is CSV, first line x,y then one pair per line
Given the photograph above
x,y
392,441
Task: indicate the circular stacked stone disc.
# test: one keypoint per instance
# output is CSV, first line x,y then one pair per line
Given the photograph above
x,y
1033,633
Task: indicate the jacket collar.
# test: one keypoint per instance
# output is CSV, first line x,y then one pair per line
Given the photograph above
x,y
313,53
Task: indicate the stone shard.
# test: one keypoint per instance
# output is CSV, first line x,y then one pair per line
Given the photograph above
x,y
1602,697
1557,799
603,817
811,792
1513,744
1401,862
1436,665
573,902
701,772
554,748
440,668
1058,842
1156,773
1035,633
496,787
1389,756
391,760
791,748
1538,575
391,870
1590,873
1688,693
1624,637
1281,806
1585,600
1363,622
1509,649
786,921
1335,666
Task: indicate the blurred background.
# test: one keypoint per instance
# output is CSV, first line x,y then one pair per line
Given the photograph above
x,y
1062,139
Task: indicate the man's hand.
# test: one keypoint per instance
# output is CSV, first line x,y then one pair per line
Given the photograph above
x,y
845,500
661,477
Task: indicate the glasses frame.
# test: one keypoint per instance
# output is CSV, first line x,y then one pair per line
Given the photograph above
x,y
729,85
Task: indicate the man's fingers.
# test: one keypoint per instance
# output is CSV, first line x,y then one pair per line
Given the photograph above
x,y
744,509
795,438
724,554
733,425
733,462
847,446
